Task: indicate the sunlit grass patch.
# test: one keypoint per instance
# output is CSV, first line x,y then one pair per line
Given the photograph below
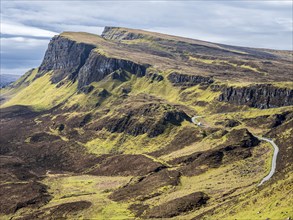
x,y
41,94
94,189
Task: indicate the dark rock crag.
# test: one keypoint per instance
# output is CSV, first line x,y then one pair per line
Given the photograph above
x,y
154,77
65,57
98,66
178,79
74,60
258,96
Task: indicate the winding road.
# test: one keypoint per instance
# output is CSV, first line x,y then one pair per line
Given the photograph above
x,y
274,159
194,121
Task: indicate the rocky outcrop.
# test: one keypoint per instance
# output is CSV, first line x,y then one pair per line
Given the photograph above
x,y
68,58
258,96
87,89
65,57
183,80
98,66
154,77
269,121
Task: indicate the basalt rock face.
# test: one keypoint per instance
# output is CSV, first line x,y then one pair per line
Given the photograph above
x,y
74,60
178,79
98,66
258,96
65,57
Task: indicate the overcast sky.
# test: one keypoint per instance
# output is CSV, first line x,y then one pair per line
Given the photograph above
x,y
27,26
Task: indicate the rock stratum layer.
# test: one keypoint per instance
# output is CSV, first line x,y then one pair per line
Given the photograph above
x,y
258,96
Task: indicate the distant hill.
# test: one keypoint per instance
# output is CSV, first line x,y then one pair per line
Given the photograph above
x,y
6,79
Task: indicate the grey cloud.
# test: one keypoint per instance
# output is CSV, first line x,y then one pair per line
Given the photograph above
x,y
18,54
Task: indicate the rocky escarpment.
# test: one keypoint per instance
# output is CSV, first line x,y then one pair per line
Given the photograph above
x,y
65,57
68,58
178,79
97,66
258,96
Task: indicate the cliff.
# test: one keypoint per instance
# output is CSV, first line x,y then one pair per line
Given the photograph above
x,y
65,57
258,96
98,66
78,60
178,79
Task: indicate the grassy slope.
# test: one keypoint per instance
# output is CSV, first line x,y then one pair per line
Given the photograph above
x,y
41,94
233,180
91,188
70,188
215,182
273,201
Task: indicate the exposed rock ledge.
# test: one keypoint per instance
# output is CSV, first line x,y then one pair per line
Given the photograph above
x,y
258,96
65,57
98,66
178,79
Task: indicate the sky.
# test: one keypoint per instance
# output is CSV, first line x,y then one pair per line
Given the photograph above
x,y
28,26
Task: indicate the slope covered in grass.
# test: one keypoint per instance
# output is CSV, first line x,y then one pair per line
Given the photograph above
x,y
104,129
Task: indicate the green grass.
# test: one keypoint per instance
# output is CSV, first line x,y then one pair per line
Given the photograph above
x,y
234,180
203,145
162,89
274,202
25,80
107,142
218,62
41,94
70,188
